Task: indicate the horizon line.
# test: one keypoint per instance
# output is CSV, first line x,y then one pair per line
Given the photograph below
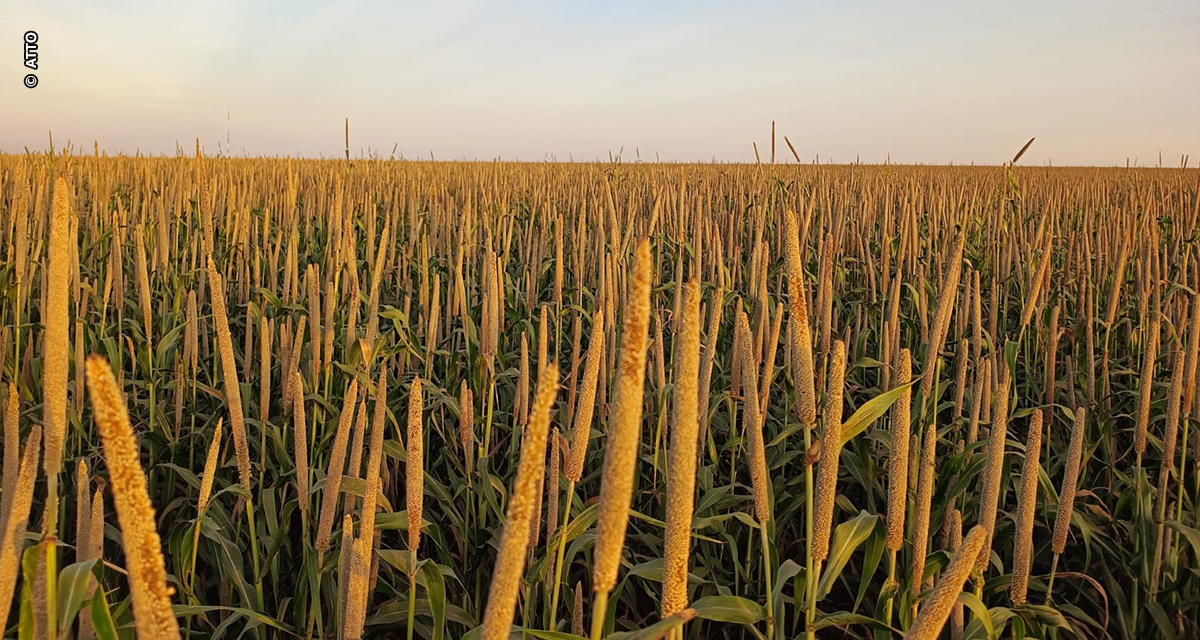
x,y
614,160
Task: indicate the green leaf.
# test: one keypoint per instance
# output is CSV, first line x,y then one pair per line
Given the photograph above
x,y
873,554
435,592
165,344
846,540
102,620
889,590
1192,535
395,521
548,635
396,557
581,522
788,570
729,609
357,487
29,562
188,610
1045,616
1161,620
188,476
982,617
1010,356
871,411
271,297
650,570
518,632
842,619
73,582
660,629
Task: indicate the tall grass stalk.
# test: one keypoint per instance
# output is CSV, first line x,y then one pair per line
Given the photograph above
x,y
152,611
827,472
624,437
510,562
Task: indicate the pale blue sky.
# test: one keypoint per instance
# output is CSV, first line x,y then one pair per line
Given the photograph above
x,y
1096,81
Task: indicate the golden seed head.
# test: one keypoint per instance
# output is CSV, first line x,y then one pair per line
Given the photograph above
x,y
300,445
659,359
497,298
535,521
294,384
57,340
210,469
941,319
577,611
414,466
523,382
994,470
152,612
1147,385
1193,357
314,318
266,338
96,526
142,276
337,464
898,460
979,403
344,562
466,424
327,325
191,333
681,481
1066,495
923,507
374,460
1035,287
354,467
20,215
552,483
831,449
1171,428
17,520
936,608
955,529
514,539
715,313
625,427
587,400
233,393
543,339
1027,504
1169,442
752,423
83,508
735,365
826,287
358,578
12,452
805,376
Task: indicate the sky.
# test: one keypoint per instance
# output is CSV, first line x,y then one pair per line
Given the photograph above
x,y
1097,81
